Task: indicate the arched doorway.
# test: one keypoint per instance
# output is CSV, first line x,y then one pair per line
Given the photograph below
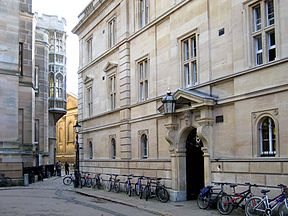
x,y
194,165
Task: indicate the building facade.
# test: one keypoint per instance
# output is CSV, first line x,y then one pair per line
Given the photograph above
x,y
29,113
225,63
16,78
65,134
50,56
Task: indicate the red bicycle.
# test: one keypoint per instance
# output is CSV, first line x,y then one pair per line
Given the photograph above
x,y
227,203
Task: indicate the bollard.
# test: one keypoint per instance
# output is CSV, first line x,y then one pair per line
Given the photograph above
x,y
26,179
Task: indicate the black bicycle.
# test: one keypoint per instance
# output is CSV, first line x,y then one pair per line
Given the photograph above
x,y
209,195
154,188
97,181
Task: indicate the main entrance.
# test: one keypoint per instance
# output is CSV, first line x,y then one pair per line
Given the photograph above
x,y
194,165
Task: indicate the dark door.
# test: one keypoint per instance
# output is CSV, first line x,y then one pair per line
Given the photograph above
x,y
194,166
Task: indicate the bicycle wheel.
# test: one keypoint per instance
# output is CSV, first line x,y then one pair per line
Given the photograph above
x,y
82,182
88,182
162,195
252,206
225,204
203,200
282,209
137,189
67,180
146,192
116,187
108,186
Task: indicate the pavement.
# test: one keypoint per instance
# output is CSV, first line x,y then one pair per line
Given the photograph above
x,y
154,206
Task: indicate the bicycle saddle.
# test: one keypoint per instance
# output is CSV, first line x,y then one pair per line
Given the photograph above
x,y
233,185
265,191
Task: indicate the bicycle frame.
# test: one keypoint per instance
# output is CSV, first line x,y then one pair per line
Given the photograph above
x,y
270,204
237,198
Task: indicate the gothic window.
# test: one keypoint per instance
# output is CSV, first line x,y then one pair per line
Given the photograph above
x,y
51,85
90,149
144,146
113,148
59,86
267,137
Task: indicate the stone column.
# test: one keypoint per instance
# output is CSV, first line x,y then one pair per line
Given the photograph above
x,y
124,93
204,132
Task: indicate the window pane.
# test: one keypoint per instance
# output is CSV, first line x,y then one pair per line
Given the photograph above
x,y
194,67
270,12
187,75
186,50
271,47
193,47
258,50
257,17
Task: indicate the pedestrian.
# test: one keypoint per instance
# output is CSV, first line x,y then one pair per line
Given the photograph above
x,y
58,168
66,165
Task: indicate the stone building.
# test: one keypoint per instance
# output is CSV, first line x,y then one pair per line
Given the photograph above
x,y
50,56
65,134
16,82
225,63
29,113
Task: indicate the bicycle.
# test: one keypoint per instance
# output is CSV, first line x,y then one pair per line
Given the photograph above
x,y
128,186
86,180
67,180
158,191
265,206
139,187
113,183
5,181
227,203
97,181
208,197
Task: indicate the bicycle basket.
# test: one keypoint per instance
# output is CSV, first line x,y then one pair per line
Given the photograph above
x,y
286,191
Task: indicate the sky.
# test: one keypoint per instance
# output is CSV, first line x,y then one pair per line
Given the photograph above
x,y
68,9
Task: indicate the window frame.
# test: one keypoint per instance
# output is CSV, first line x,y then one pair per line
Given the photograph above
x,y
90,150
112,90
89,45
143,12
59,82
20,58
266,25
113,148
256,120
89,100
143,71
272,142
189,59
36,77
112,32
